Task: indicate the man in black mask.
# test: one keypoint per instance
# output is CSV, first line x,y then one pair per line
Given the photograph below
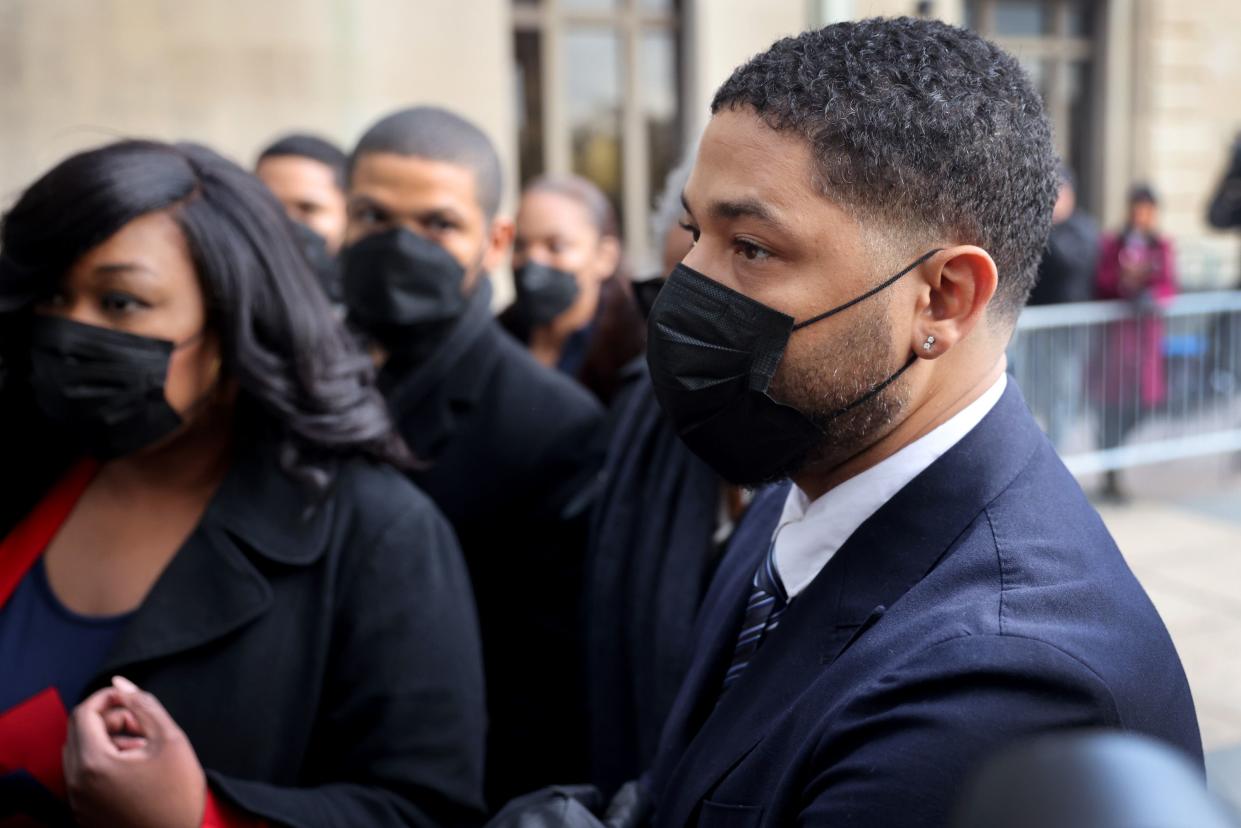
x,y
508,447
869,205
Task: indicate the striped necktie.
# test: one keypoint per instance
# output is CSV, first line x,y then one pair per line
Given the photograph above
x,y
768,602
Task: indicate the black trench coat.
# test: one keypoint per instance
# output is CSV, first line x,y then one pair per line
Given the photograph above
x,y
512,452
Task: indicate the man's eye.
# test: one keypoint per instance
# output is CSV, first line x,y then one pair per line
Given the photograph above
x,y
440,225
369,215
693,231
751,251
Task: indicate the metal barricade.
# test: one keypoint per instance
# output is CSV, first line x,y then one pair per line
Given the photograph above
x,y
1117,384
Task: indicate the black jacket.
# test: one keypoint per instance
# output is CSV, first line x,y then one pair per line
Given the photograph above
x,y
652,553
325,668
1066,272
512,452
1224,212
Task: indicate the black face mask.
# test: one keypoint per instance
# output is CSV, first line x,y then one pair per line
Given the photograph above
x,y
713,353
543,293
403,290
323,264
103,389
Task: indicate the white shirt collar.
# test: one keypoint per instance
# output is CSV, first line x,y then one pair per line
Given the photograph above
x,y
809,534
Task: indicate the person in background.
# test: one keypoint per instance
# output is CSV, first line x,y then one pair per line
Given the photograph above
x,y
307,174
661,518
509,447
1065,274
574,308
667,225
1138,265
1224,213
220,605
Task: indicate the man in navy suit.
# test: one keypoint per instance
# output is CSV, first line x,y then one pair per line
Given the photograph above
x,y
869,205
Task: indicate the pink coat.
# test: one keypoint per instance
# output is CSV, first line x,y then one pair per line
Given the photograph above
x,y
1131,361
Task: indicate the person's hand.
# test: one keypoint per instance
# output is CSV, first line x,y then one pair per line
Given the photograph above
x,y
127,763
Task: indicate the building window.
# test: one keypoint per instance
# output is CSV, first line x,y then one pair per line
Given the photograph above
x,y
598,94
1055,41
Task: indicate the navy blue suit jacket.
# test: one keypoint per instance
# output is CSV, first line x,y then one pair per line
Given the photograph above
x,y
985,602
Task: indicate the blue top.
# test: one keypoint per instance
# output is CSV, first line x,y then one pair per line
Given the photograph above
x,y
573,355
44,644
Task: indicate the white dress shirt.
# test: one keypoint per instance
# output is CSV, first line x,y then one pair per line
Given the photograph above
x,y
809,534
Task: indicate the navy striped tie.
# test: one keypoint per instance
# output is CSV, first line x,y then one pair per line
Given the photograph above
x,y
767,604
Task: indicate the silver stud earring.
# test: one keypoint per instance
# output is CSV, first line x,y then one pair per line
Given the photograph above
x,y
930,341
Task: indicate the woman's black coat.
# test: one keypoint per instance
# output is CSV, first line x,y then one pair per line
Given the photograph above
x,y
326,667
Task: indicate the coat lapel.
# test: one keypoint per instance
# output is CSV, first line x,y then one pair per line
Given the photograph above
x,y
428,402
890,553
208,590
212,586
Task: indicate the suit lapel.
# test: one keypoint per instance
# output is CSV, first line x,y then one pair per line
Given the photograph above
x,y
888,554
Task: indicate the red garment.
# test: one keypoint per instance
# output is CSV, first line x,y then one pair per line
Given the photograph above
x,y
32,734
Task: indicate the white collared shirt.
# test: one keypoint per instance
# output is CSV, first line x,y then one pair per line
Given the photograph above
x,y
809,534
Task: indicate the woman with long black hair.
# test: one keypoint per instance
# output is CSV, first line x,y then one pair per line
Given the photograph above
x,y
215,592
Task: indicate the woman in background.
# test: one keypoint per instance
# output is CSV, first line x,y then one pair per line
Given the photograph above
x,y
574,308
1137,264
197,494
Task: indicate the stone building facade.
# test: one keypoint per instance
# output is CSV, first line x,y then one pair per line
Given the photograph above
x,y
1140,90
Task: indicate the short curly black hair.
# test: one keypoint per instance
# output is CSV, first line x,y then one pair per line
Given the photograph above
x,y
925,126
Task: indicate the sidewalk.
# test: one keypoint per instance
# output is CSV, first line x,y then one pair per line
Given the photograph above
x,y
1182,537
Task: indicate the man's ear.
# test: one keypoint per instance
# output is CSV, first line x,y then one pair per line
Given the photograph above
x,y
499,241
958,283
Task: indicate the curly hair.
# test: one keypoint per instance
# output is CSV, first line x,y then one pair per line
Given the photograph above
x,y
304,384
922,126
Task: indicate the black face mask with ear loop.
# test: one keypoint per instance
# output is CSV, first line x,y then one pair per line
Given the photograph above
x,y
713,353
543,293
102,389
403,290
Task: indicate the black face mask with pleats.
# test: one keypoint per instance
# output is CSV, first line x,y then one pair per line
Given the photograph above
x,y
102,389
543,293
713,353
403,290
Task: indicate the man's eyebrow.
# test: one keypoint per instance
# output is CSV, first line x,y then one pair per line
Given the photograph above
x,y
739,208
364,200
744,208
